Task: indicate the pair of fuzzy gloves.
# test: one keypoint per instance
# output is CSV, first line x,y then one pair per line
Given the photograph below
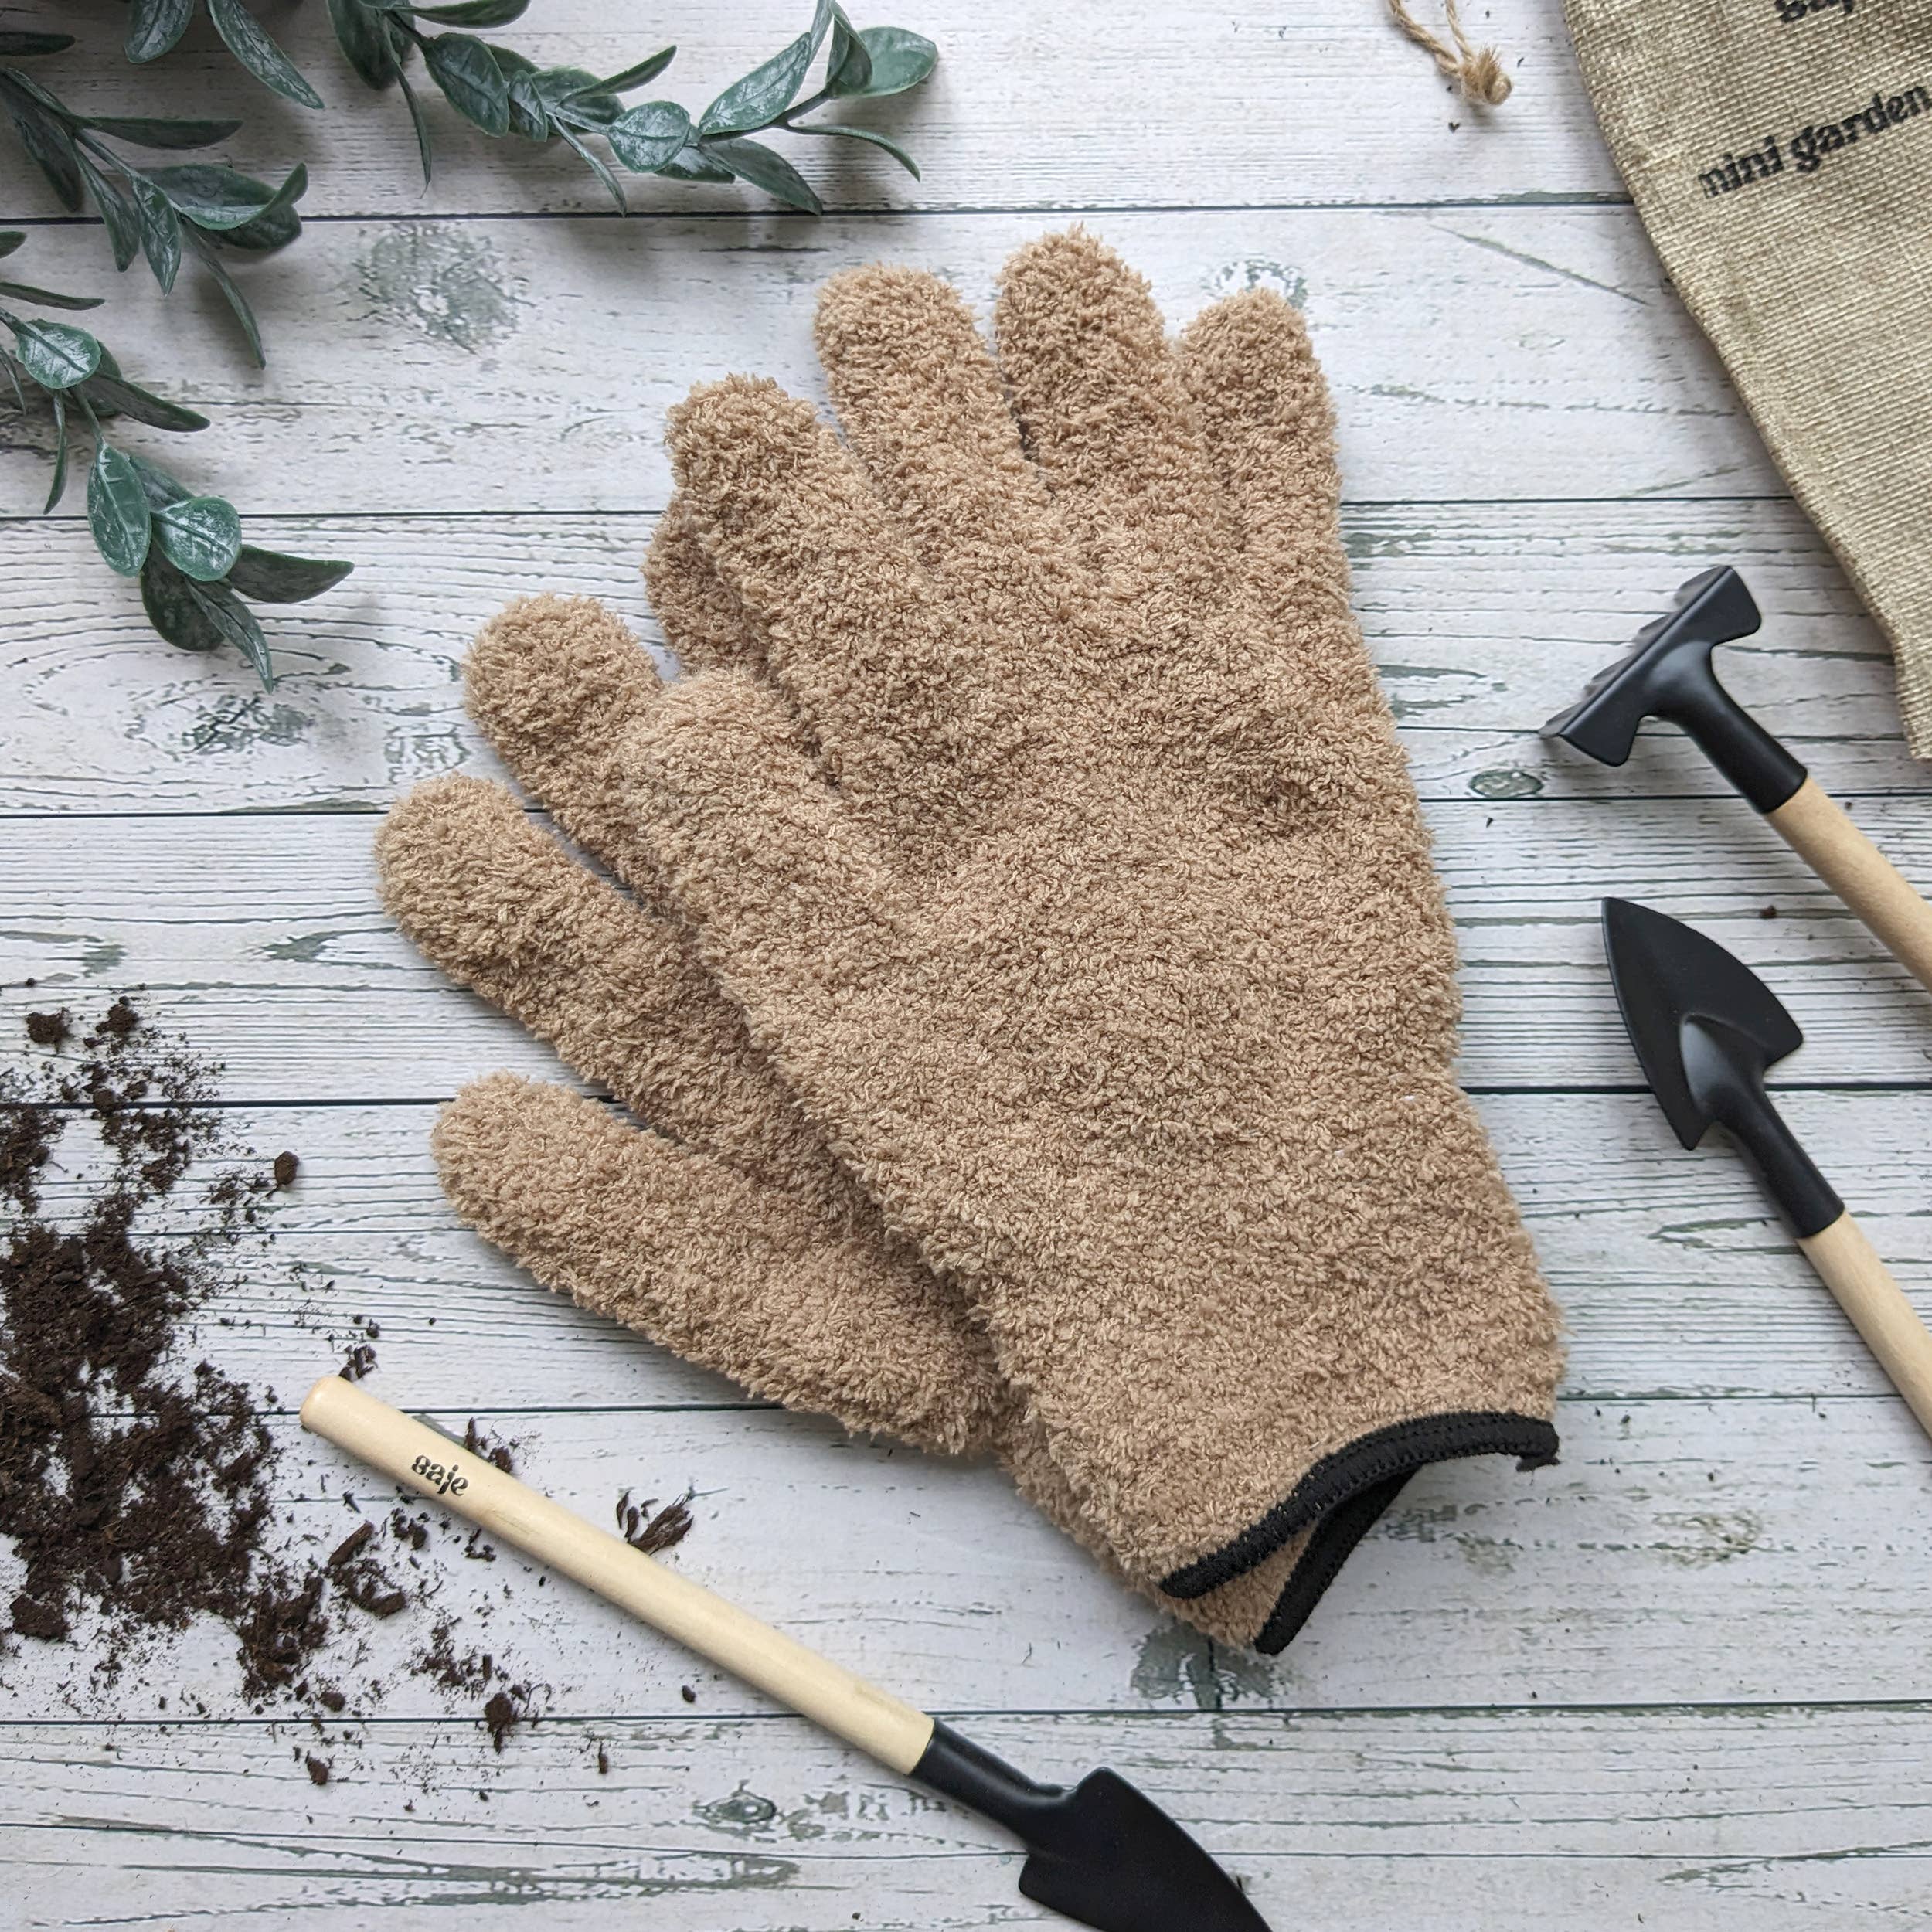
x,y
1015,943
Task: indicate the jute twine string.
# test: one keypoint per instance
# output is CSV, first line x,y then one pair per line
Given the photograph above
x,y
1476,72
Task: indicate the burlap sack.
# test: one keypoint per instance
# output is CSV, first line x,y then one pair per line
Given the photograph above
x,y
1780,152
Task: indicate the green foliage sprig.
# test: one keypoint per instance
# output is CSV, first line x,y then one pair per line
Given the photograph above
x,y
161,213
503,92
187,549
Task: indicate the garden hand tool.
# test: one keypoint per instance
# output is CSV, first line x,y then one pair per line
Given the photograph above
x,y
1099,1852
1068,871
1705,1027
1669,674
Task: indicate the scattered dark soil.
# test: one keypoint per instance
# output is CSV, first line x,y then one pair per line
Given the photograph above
x,y
49,1030
653,1534
479,1442
137,1477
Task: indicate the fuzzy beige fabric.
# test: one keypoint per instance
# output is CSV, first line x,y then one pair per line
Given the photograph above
x,y
1066,868
724,1231
1038,805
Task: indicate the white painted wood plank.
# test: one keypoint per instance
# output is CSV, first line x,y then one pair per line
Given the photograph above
x,y
1680,1552
1484,618
1505,353
1675,1278
1772,1820
1070,106
262,938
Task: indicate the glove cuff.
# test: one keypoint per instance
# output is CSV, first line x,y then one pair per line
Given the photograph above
x,y
1345,1491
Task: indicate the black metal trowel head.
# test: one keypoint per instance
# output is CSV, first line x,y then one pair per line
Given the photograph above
x,y
1100,1851
1705,1027
1665,973
1667,674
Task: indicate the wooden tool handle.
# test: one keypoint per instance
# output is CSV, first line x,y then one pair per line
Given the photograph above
x,y
1815,827
423,1460
1850,1267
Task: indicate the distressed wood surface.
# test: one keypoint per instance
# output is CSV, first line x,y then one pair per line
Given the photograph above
x,y
1680,1552
1484,618
1676,1278
1675,1682
1675,1820
263,936
1475,353
1145,104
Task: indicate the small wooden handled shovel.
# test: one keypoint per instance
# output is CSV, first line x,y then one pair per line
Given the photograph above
x,y
1667,674
1101,1852
1705,1027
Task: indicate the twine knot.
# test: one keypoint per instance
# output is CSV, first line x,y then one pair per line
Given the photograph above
x,y
1475,73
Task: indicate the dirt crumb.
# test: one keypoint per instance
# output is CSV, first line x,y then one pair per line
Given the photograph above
x,y
319,1770
50,1029
654,1533
285,1168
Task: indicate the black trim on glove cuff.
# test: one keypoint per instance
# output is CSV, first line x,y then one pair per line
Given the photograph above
x,y
1380,1461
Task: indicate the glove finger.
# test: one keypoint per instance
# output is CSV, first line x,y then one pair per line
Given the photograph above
x,y
854,635
922,404
554,683
1251,370
786,899
730,1274
705,621
616,989
1108,419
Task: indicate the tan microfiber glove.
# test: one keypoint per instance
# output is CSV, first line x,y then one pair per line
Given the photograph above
x,y
1061,857
726,1232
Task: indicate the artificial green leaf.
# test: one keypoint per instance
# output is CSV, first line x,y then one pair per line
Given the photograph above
x,y
236,623
154,26
236,300
416,121
117,512
111,394
572,96
145,132
162,489
276,226
857,134
160,230
469,13
472,81
11,238
248,42
117,214
630,77
765,168
47,297
362,34
848,65
595,163
764,94
56,354
59,488
20,46
271,577
201,617
649,136
898,60
173,608
202,535
529,113
48,143
218,198
691,163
